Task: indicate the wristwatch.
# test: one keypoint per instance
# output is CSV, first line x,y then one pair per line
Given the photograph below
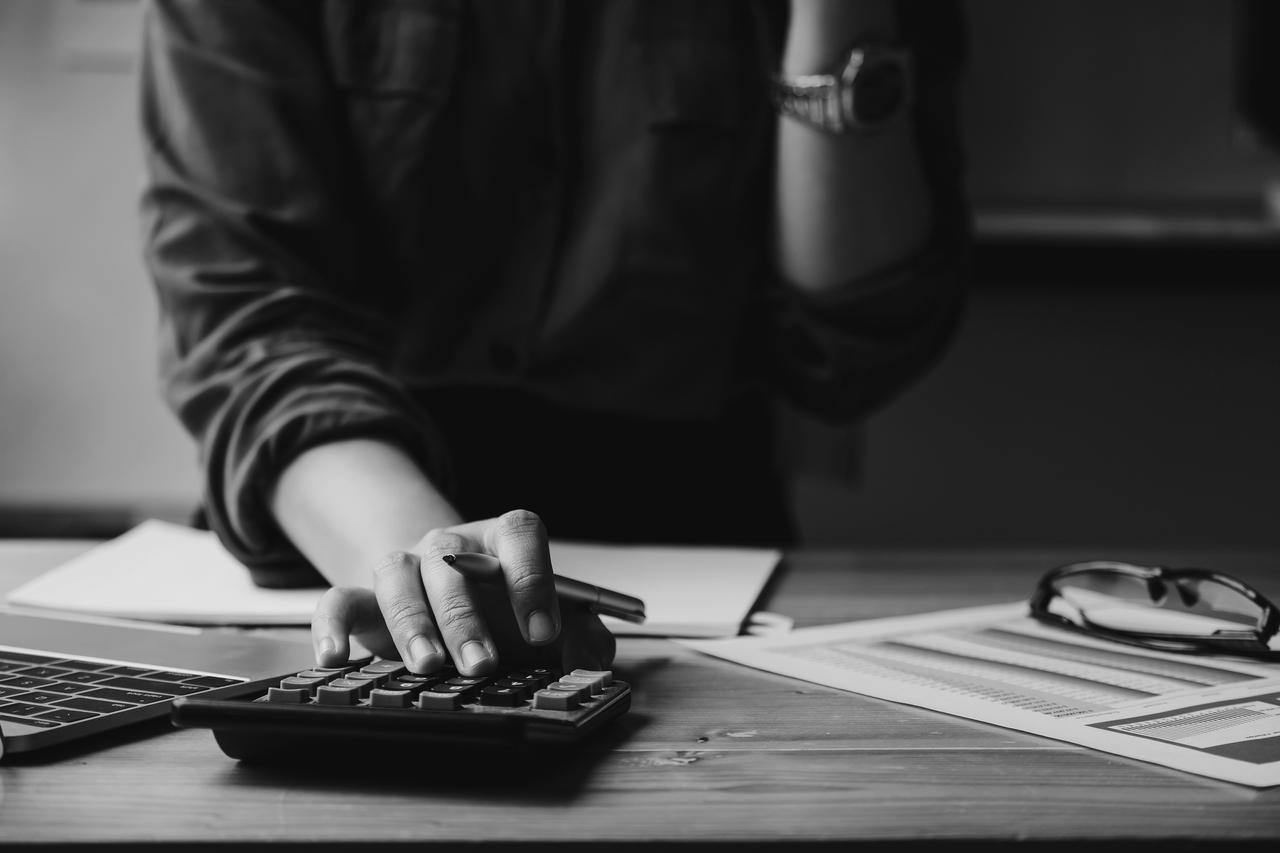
x,y
869,86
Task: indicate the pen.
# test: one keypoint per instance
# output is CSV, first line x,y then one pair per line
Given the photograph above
x,y
605,601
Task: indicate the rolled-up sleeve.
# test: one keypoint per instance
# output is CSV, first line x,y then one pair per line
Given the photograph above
x,y
843,353
271,342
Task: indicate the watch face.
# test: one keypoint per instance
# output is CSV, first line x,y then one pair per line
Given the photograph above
x,y
879,90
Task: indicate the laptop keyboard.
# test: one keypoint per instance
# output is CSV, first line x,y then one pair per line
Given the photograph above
x,y
45,691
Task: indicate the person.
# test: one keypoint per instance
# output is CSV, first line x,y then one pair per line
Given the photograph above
x,y
444,276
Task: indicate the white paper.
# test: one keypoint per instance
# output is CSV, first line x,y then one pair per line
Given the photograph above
x,y
1215,716
169,573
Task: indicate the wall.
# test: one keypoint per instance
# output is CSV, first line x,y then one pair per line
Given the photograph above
x,y
1063,413
80,420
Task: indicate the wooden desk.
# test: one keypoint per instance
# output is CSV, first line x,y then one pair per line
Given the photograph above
x,y
712,754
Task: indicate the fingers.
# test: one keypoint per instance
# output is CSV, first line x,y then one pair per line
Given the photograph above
x,y
587,643
454,603
398,588
341,613
519,540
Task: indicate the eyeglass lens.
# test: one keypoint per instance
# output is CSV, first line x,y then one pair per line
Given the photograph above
x,y
1186,606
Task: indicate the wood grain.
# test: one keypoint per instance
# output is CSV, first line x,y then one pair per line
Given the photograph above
x,y
711,753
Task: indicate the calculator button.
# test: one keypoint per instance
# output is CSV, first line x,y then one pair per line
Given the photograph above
x,y
541,675
360,687
389,668
413,687
582,691
503,697
379,698
295,682
336,694
525,688
325,675
550,699
469,680
433,699
374,679
288,695
603,676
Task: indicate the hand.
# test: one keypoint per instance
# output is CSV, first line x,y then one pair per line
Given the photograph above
x,y
420,608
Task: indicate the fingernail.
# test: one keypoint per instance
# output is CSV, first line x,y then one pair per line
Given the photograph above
x,y
541,628
474,654
424,653
327,646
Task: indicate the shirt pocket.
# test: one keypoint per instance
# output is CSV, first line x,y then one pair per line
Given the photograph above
x,y
394,49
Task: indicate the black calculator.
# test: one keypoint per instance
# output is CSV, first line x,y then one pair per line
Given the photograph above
x,y
379,702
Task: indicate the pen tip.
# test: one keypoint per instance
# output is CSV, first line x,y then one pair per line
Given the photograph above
x,y
450,558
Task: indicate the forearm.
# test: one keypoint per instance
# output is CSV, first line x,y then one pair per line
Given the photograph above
x,y
851,204
347,504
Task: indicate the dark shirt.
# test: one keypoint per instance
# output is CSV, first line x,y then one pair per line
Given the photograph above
x,y
498,229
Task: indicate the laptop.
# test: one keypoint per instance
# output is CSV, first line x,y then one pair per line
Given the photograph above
x,y
63,678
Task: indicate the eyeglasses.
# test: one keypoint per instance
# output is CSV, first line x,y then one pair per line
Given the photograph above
x,y
1172,610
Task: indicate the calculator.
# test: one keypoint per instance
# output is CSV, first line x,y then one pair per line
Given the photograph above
x,y
379,702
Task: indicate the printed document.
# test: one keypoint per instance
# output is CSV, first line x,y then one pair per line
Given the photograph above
x,y
1215,716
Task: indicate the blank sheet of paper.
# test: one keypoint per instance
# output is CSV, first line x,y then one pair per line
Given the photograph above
x,y
170,573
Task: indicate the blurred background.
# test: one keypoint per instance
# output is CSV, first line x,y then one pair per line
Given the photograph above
x,y
1115,380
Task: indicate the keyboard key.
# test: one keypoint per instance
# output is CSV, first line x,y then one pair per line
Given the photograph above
x,y
24,709
165,675
133,697
10,691
165,687
126,670
26,657
337,694
288,696
26,682
550,699
30,721
82,665
66,687
98,706
40,696
413,687
6,665
379,698
42,672
66,715
86,677
212,681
